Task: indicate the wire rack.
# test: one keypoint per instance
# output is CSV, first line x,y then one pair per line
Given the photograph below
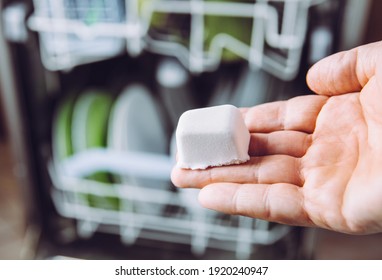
x,y
149,213
269,34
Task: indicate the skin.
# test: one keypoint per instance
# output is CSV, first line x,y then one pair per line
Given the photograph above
x,y
316,160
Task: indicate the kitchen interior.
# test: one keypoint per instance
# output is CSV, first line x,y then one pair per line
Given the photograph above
x,y
91,92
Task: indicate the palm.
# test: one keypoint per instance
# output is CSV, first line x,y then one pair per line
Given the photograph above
x,y
338,181
315,160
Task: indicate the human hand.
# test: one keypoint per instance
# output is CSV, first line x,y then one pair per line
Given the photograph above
x,y
315,160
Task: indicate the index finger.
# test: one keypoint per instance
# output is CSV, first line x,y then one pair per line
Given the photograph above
x,y
346,71
259,170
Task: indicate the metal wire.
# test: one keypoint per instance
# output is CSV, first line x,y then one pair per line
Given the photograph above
x,y
68,27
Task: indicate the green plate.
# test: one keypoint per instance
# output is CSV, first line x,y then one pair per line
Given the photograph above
x,y
89,130
61,134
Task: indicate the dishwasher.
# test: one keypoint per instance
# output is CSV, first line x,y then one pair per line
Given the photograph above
x,y
93,91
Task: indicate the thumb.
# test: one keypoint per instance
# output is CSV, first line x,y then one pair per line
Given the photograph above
x,y
346,71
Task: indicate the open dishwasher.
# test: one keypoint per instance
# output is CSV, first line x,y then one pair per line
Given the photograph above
x,y
94,91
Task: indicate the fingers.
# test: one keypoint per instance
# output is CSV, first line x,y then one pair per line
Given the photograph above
x,y
346,71
281,203
258,170
299,114
292,143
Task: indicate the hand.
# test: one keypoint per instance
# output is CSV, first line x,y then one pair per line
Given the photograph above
x,y
315,160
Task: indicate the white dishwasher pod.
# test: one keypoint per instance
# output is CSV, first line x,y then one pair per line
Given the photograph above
x,y
212,136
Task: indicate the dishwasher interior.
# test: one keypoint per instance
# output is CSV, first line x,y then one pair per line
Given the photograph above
x,y
98,89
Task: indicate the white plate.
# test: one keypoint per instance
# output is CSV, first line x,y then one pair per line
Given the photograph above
x,y
137,126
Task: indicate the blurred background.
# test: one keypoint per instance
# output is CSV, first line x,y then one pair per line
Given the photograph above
x,y
91,92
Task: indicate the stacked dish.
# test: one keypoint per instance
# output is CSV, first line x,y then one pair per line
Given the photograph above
x,y
113,143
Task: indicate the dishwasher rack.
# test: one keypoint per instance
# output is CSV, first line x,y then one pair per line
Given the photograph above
x,y
148,213
77,32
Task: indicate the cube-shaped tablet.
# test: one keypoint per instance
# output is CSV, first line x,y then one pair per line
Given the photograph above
x,y
212,136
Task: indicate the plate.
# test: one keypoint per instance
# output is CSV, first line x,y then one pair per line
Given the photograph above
x,y
136,125
89,129
61,131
